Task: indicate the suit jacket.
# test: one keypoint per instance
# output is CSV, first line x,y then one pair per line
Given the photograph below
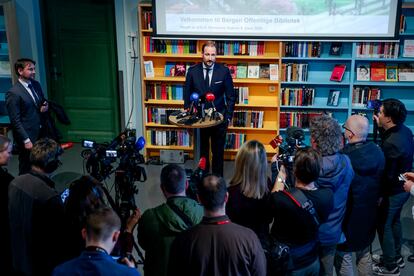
x,y
221,86
25,116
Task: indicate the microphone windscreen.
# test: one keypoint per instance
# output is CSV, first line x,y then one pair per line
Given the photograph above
x,y
140,143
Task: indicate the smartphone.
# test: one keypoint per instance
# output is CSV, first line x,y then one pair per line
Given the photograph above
x,y
401,177
64,195
88,144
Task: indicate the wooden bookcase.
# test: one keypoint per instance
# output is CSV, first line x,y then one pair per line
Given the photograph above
x,y
266,95
263,92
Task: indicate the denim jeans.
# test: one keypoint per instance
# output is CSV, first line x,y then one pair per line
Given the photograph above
x,y
310,270
389,227
344,267
326,256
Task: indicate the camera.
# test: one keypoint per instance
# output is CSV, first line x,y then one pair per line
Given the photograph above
x,y
293,141
122,158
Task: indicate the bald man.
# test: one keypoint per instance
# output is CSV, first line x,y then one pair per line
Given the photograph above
x,y
359,223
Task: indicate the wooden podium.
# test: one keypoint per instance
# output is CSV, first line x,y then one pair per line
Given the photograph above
x,y
200,123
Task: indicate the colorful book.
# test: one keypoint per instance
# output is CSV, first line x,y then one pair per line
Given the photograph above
x,y
338,72
377,71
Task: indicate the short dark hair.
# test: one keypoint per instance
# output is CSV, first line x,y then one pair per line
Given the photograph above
x,y
307,165
212,192
21,63
4,142
208,43
173,179
45,153
101,223
395,109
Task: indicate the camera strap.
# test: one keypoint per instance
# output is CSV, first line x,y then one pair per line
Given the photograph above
x,y
181,214
303,202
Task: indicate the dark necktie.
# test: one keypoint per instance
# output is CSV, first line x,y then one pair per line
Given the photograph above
x,y
207,78
35,96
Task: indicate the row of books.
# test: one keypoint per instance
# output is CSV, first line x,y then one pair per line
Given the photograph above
x,y
234,140
168,138
147,20
248,48
297,96
379,71
299,119
159,115
176,69
361,95
294,72
302,49
242,94
377,49
248,118
163,91
254,70
169,46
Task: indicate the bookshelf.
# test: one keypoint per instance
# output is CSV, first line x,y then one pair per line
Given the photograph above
x,y
263,92
8,56
269,96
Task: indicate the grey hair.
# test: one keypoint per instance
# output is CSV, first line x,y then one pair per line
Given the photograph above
x,y
326,134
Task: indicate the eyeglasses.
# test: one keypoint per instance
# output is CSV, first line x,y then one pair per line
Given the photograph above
x,y
346,128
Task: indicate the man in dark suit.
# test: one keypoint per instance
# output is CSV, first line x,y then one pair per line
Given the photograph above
x,y
205,77
26,105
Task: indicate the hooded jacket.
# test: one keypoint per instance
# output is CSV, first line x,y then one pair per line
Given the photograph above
x,y
336,174
359,224
158,228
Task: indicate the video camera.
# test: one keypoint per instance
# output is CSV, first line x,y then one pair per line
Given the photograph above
x,y
124,149
293,141
195,177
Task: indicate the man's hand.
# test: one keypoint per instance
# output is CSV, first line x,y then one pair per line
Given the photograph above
x,y
279,184
28,145
128,262
408,185
44,107
409,176
133,220
375,117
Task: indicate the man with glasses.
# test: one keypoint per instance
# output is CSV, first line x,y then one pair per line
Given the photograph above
x,y
398,147
359,223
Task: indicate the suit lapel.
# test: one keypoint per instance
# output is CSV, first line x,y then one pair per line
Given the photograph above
x,y
25,94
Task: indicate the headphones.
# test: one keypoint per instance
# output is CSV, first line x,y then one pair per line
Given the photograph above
x,y
50,162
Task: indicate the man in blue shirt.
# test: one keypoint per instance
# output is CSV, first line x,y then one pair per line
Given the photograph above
x,y
101,233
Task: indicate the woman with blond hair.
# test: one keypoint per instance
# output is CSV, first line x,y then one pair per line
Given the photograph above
x,y
249,189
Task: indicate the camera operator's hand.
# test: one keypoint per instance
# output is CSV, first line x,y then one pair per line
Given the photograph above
x,y
409,176
375,117
279,184
274,158
128,262
133,221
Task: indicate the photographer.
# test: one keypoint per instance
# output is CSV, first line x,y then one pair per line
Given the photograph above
x,y
398,147
101,233
36,214
159,226
295,226
336,173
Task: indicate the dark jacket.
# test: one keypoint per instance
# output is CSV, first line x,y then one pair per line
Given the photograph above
x,y
249,212
221,86
359,223
25,117
6,260
94,263
398,147
157,229
336,174
217,247
36,224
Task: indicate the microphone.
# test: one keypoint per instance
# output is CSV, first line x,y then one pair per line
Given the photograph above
x,y
194,99
202,163
140,143
276,142
210,99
